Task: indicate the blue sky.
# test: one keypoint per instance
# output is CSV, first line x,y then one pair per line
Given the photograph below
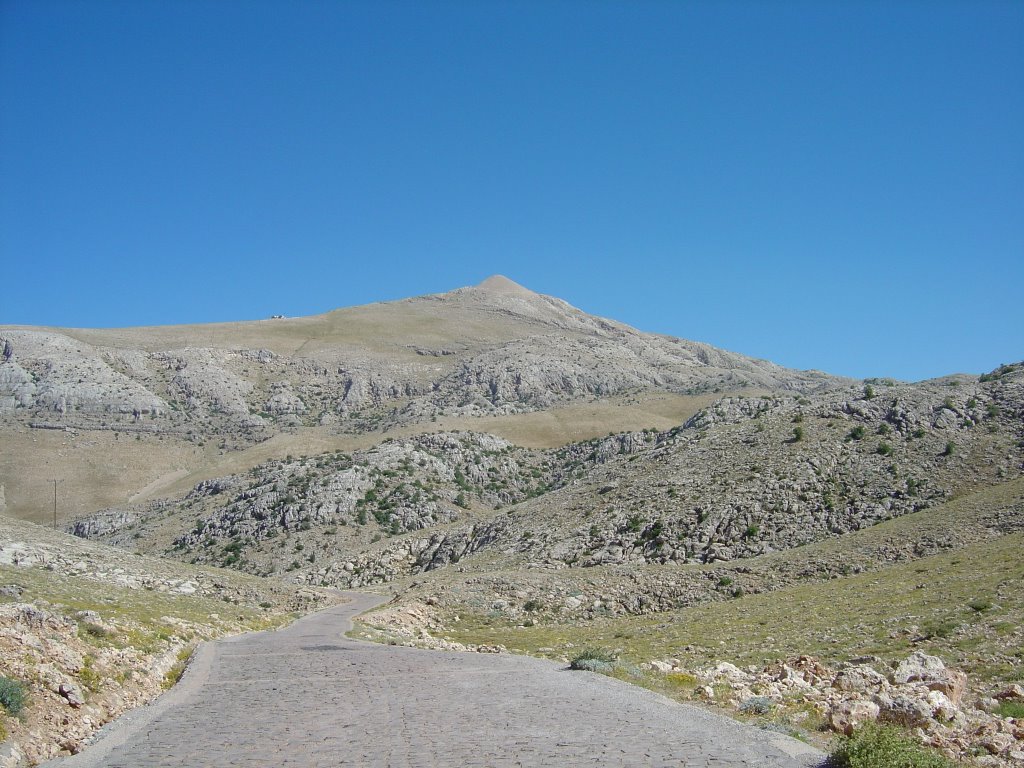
x,y
827,185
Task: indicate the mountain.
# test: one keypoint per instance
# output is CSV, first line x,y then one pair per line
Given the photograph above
x,y
518,473
188,395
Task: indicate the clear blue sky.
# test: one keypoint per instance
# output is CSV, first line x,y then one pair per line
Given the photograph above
x,y
827,185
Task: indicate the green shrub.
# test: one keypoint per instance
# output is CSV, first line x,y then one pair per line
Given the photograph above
x,y
884,448
939,627
532,606
798,434
950,449
880,746
757,705
591,659
90,629
12,695
857,432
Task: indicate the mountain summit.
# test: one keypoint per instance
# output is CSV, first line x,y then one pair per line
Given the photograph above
x,y
501,284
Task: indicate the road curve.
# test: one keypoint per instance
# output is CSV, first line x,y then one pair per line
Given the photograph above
x,y
308,697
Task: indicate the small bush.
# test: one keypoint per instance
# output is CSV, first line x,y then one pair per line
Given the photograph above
x,y
757,705
857,432
12,695
532,606
592,659
90,679
884,448
682,680
939,627
979,605
950,449
798,434
878,746
87,629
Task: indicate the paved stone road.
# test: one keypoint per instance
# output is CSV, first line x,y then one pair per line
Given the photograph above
x,y
308,697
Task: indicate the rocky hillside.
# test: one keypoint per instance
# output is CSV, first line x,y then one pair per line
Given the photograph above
x,y
342,503
745,477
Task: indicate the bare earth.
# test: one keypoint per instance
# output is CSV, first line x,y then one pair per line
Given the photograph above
x,y
308,696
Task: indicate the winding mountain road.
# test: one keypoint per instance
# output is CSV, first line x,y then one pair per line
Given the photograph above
x,y
308,697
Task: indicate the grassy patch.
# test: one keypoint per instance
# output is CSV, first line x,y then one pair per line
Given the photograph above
x,y
879,746
921,605
134,617
1014,709
176,671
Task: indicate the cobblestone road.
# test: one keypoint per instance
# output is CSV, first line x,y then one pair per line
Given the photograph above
x,y
308,697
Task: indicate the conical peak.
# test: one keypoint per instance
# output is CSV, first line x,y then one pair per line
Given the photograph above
x,y
501,284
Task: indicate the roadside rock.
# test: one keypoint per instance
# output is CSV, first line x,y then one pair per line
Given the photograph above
x,y
851,713
72,693
931,672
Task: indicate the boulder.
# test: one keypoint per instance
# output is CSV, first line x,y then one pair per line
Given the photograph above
x,y
859,678
1012,693
908,711
730,672
847,715
997,743
918,666
72,693
942,707
929,670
